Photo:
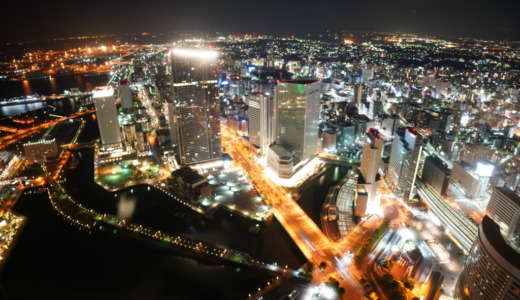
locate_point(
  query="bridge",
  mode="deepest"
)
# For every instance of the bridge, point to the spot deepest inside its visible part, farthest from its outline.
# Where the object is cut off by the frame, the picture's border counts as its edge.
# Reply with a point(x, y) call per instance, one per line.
point(340, 162)
point(309, 238)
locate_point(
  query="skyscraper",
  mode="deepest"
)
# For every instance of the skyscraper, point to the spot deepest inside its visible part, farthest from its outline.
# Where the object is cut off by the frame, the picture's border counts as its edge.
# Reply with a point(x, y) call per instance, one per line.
point(196, 110)
point(504, 209)
point(492, 269)
point(298, 110)
point(106, 112)
point(125, 94)
point(260, 112)
point(370, 159)
point(404, 160)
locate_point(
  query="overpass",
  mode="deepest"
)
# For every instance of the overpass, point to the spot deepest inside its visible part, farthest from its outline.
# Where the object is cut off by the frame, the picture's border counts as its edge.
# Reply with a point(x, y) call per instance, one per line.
point(462, 229)
point(340, 162)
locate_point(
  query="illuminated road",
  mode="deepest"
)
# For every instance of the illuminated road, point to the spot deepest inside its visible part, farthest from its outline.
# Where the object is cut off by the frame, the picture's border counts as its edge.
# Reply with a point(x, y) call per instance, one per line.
point(305, 233)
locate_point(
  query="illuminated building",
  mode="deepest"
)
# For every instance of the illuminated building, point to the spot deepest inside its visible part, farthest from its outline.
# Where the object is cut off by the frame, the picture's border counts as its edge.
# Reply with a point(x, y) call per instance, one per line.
point(191, 184)
point(297, 116)
point(404, 161)
point(40, 151)
point(297, 125)
point(437, 174)
point(106, 112)
point(504, 209)
point(282, 160)
point(329, 141)
point(358, 94)
point(492, 269)
point(369, 168)
point(473, 181)
point(125, 95)
point(196, 110)
point(260, 114)
point(367, 75)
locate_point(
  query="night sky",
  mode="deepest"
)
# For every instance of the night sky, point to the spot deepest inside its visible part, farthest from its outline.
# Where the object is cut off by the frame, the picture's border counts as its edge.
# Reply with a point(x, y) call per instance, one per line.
point(39, 20)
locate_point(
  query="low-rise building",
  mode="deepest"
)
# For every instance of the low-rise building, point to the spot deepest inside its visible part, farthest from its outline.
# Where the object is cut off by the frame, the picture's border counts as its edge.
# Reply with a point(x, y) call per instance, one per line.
point(191, 184)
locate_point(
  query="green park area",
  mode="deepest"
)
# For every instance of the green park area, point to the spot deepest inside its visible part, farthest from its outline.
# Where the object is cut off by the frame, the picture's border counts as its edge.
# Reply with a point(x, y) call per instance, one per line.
point(119, 174)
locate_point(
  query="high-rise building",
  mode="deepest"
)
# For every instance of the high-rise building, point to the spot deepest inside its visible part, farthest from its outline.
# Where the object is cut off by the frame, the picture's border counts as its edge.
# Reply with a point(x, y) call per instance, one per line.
point(125, 94)
point(260, 114)
point(369, 168)
point(492, 269)
point(504, 209)
point(474, 181)
point(106, 112)
point(298, 111)
point(371, 157)
point(195, 117)
point(437, 174)
point(358, 93)
point(404, 161)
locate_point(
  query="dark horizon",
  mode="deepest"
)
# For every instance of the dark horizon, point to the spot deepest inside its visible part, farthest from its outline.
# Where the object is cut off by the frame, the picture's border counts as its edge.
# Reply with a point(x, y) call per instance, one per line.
point(35, 20)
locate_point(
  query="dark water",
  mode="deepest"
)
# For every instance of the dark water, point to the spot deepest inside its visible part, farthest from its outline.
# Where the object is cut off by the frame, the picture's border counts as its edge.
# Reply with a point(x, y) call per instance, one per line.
point(55, 261)
point(62, 107)
point(55, 85)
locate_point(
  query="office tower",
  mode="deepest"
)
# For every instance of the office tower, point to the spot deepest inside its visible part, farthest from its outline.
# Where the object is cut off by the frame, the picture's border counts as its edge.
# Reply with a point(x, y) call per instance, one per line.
point(492, 269)
point(125, 94)
point(371, 156)
point(298, 110)
point(404, 161)
point(106, 112)
point(196, 110)
point(504, 209)
point(358, 93)
point(259, 117)
point(297, 119)
point(437, 174)
point(369, 168)
point(473, 181)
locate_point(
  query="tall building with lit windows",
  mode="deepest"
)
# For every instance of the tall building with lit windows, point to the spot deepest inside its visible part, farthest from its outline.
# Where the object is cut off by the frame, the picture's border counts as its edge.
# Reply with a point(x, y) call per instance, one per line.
point(297, 117)
point(504, 209)
point(106, 112)
point(404, 161)
point(297, 111)
point(195, 118)
point(260, 116)
point(370, 160)
point(492, 269)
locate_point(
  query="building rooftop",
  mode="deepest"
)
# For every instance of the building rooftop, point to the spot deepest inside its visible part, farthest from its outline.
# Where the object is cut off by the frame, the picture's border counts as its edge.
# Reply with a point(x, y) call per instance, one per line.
point(301, 81)
point(439, 163)
point(188, 175)
point(491, 232)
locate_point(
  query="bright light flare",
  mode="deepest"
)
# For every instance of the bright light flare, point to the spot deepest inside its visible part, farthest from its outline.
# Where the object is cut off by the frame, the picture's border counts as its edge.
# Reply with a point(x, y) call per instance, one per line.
point(198, 53)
